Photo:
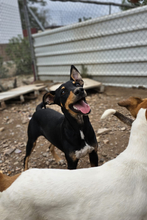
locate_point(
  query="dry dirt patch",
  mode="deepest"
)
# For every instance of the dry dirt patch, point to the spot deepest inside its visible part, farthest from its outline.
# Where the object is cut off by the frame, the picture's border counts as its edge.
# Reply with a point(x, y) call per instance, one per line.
point(14, 122)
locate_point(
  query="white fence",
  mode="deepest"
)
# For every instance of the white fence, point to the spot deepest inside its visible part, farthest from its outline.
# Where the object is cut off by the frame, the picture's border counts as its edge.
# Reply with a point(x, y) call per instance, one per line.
point(10, 23)
point(113, 48)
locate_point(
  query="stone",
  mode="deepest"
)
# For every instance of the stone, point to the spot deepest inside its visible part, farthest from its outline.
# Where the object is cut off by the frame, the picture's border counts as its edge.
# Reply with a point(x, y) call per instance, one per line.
point(17, 169)
point(18, 126)
point(24, 121)
point(123, 129)
point(103, 131)
point(104, 154)
point(5, 145)
point(45, 154)
point(2, 129)
point(9, 151)
point(47, 163)
point(17, 151)
point(101, 160)
point(105, 141)
point(98, 139)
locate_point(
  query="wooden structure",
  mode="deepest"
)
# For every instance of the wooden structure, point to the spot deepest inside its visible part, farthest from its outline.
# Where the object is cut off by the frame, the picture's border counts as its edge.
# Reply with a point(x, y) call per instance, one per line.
point(20, 92)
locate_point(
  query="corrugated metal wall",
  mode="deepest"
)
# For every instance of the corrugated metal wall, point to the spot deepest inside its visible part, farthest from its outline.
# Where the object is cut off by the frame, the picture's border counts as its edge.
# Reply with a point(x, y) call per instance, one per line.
point(10, 23)
point(113, 48)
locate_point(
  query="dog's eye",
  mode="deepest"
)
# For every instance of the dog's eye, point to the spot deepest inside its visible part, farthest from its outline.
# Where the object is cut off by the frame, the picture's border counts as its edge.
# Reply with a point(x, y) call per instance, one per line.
point(62, 92)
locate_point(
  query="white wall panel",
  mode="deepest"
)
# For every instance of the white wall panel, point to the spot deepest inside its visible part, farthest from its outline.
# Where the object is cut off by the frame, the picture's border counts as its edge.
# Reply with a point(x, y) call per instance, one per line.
point(10, 23)
point(113, 48)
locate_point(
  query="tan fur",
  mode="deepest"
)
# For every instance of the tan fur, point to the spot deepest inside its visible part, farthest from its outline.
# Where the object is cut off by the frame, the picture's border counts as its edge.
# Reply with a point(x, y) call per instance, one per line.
point(26, 163)
point(75, 115)
point(73, 156)
point(134, 104)
point(52, 149)
point(6, 181)
point(68, 102)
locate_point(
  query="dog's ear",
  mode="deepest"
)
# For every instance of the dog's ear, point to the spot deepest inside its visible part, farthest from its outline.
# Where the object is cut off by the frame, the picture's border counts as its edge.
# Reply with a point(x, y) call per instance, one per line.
point(74, 74)
point(48, 98)
point(124, 103)
point(132, 101)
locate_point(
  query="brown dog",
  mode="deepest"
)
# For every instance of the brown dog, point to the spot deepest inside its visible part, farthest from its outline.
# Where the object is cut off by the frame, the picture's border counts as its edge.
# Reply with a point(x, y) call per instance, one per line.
point(6, 181)
point(133, 104)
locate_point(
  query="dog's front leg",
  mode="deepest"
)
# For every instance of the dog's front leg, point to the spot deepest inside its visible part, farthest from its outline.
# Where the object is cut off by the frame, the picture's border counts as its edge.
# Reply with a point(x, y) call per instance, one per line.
point(72, 161)
point(93, 158)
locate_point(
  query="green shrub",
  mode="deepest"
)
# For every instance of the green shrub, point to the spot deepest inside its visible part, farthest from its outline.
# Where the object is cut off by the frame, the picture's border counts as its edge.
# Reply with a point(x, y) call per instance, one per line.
point(18, 51)
point(84, 72)
point(3, 70)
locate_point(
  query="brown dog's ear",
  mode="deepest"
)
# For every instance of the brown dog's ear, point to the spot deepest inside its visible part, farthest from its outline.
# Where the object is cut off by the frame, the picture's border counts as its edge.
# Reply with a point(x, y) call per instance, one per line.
point(74, 74)
point(48, 98)
point(132, 101)
point(124, 103)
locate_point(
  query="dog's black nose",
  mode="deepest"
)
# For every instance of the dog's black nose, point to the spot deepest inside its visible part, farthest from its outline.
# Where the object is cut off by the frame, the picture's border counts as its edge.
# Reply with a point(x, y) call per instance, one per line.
point(79, 91)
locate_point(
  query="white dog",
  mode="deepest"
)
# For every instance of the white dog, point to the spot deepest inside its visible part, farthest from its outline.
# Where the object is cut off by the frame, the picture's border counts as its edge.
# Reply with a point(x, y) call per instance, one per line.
point(116, 190)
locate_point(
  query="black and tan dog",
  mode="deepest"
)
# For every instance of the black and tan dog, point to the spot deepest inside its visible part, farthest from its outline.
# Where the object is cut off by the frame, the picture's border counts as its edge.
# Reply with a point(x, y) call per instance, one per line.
point(72, 132)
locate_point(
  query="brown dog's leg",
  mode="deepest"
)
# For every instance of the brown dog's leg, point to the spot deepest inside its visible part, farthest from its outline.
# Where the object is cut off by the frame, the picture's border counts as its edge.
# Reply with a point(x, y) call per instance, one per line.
point(6, 181)
point(57, 158)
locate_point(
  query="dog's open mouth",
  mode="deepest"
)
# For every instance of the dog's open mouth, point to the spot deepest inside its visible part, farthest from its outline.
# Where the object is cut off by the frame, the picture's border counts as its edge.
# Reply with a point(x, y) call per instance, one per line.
point(81, 107)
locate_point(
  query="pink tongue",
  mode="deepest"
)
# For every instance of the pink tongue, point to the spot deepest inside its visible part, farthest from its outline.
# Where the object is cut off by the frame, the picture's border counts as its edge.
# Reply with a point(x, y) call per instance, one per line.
point(83, 107)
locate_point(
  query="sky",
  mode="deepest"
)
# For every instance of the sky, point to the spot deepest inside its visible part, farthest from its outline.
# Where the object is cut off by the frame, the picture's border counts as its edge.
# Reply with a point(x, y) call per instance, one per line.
point(63, 13)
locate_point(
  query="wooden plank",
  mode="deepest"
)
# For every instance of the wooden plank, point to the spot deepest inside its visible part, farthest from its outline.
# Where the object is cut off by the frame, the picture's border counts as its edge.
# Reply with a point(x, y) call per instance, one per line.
point(88, 84)
point(20, 91)
point(22, 98)
point(3, 106)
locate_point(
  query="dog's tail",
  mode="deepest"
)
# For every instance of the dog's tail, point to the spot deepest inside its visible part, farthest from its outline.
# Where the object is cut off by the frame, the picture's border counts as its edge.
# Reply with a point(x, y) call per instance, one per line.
point(40, 106)
point(121, 117)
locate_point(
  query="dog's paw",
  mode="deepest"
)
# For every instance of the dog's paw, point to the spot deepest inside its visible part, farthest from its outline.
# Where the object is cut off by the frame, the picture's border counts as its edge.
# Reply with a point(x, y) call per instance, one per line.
point(61, 162)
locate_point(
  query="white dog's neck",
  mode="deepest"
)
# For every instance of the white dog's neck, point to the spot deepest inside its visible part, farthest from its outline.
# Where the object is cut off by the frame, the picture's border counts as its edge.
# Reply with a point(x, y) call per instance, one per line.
point(137, 146)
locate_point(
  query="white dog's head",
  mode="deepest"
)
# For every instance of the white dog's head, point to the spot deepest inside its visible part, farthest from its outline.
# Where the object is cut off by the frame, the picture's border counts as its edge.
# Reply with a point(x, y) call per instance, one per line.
point(139, 127)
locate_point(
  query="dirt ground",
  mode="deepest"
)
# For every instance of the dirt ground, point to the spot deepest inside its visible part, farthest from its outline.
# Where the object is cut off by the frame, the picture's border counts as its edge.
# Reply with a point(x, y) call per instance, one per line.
point(15, 118)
